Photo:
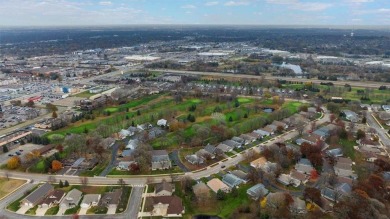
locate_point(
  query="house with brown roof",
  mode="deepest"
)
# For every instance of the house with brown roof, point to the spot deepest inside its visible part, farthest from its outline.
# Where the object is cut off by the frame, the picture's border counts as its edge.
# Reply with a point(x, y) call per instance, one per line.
point(164, 206)
point(53, 198)
point(216, 184)
point(299, 176)
point(164, 189)
point(111, 199)
point(258, 163)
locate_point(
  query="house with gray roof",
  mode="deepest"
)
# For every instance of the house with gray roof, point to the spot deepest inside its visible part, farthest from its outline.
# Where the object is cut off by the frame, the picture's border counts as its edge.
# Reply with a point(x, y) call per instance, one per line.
point(248, 139)
point(111, 199)
point(231, 180)
point(205, 154)
point(210, 148)
point(239, 140)
point(71, 199)
point(37, 195)
point(225, 148)
point(160, 160)
point(257, 191)
point(52, 199)
point(262, 132)
point(164, 189)
point(350, 115)
point(304, 166)
point(337, 152)
point(232, 144)
point(241, 174)
point(194, 159)
point(90, 200)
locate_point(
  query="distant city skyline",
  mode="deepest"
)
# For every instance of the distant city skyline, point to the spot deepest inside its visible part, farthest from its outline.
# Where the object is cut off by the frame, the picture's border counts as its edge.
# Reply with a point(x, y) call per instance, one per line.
point(203, 12)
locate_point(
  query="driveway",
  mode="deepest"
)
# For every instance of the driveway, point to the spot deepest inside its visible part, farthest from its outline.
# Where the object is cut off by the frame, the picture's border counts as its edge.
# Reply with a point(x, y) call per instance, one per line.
point(174, 156)
point(83, 211)
point(41, 211)
point(111, 209)
point(61, 211)
point(23, 209)
point(114, 155)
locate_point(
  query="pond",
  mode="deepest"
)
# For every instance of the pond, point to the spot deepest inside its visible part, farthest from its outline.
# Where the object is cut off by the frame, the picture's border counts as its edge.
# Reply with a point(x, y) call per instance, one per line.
point(268, 110)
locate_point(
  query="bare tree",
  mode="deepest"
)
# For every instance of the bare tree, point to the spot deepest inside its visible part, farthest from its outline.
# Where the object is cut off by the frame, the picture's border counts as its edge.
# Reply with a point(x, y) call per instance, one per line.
point(300, 127)
point(7, 175)
point(121, 182)
point(84, 181)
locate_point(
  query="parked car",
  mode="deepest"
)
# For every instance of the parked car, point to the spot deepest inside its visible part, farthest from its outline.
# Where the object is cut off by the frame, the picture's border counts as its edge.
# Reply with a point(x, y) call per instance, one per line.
point(18, 153)
point(10, 155)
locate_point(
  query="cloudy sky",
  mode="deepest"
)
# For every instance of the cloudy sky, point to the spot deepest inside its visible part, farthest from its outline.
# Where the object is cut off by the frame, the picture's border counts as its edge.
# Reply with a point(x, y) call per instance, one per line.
point(251, 12)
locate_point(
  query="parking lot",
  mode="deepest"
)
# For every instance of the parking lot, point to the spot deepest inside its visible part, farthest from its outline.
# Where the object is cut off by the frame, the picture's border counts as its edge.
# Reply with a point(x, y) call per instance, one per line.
point(27, 148)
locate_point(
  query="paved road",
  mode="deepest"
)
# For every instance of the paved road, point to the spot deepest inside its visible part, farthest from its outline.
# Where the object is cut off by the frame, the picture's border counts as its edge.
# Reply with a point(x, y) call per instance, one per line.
point(12, 197)
point(176, 159)
point(380, 131)
point(369, 84)
point(112, 164)
point(135, 203)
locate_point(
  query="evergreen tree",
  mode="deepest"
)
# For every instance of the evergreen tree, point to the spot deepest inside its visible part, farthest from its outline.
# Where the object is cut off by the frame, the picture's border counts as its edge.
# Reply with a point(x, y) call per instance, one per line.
point(230, 119)
point(220, 195)
point(5, 149)
point(66, 184)
point(61, 184)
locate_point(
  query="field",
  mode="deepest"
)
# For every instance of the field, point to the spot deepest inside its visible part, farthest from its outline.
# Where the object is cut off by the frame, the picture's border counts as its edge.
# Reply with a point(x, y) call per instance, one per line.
point(7, 186)
point(85, 94)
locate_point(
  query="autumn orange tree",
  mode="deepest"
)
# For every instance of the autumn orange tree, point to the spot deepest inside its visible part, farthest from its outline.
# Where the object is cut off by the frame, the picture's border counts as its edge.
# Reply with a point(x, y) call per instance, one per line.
point(56, 165)
point(13, 163)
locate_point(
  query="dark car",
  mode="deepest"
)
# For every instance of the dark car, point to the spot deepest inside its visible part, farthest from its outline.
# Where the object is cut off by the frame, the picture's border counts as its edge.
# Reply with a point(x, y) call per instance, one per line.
point(18, 153)
point(10, 155)
point(223, 166)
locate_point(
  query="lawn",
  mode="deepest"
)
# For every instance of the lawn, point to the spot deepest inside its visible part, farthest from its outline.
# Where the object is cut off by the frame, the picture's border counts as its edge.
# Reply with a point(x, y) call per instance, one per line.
point(347, 147)
point(7, 186)
point(53, 210)
point(32, 211)
point(85, 94)
point(222, 208)
point(38, 167)
point(244, 100)
point(115, 172)
point(95, 171)
point(14, 206)
point(72, 211)
point(124, 199)
point(97, 210)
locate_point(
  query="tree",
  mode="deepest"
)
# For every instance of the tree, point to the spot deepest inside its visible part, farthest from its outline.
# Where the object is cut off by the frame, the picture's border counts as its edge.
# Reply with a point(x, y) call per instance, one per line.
point(234, 191)
point(360, 134)
point(333, 107)
point(280, 129)
point(364, 120)
point(220, 195)
point(312, 194)
point(121, 182)
point(313, 126)
point(13, 163)
point(56, 165)
point(61, 184)
point(332, 118)
point(230, 119)
point(5, 149)
point(66, 183)
point(314, 175)
point(138, 112)
point(30, 103)
point(54, 114)
point(84, 181)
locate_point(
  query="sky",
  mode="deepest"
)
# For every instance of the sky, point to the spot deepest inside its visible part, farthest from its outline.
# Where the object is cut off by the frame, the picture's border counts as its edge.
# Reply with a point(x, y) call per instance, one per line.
point(203, 12)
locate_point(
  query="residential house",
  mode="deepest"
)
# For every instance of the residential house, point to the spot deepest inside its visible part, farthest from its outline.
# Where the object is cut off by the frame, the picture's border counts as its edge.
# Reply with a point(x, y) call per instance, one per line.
point(37, 195)
point(274, 199)
point(224, 148)
point(90, 200)
point(239, 140)
point(164, 189)
point(269, 167)
point(242, 175)
point(216, 184)
point(165, 206)
point(231, 180)
point(350, 115)
point(53, 198)
point(258, 163)
point(210, 148)
point(132, 144)
point(311, 139)
point(124, 165)
point(287, 180)
point(248, 138)
point(257, 191)
point(256, 134)
point(302, 178)
point(194, 159)
point(343, 167)
point(337, 152)
point(124, 134)
point(108, 142)
point(201, 190)
point(386, 108)
point(262, 133)
point(298, 206)
point(335, 194)
point(232, 144)
point(144, 126)
point(111, 199)
point(162, 122)
point(160, 160)
point(71, 199)
point(325, 131)
point(282, 124)
point(304, 166)
point(268, 129)
point(205, 154)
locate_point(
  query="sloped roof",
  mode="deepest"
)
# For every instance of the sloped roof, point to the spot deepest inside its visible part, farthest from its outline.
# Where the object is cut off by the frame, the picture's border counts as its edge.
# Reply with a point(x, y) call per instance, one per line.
point(231, 180)
point(164, 186)
point(257, 190)
point(39, 193)
point(175, 204)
